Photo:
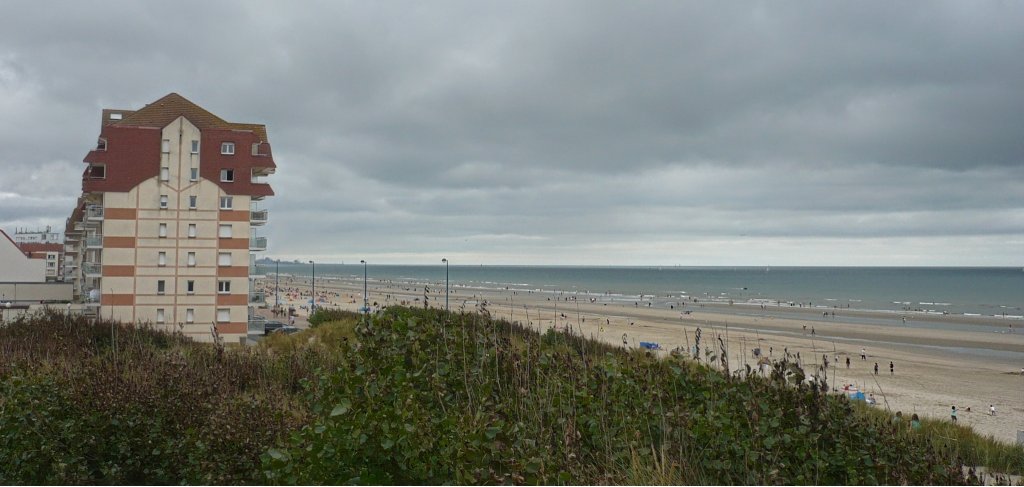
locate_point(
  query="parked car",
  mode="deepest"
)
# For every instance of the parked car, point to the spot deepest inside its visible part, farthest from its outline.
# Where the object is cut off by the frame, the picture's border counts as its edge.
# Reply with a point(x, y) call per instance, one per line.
point(287, 329)
point(272, 326)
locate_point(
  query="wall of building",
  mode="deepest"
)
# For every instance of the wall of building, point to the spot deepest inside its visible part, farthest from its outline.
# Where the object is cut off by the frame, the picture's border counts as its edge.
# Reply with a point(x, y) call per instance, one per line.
point(34, 292)
point(15, 266)
point(133, 242)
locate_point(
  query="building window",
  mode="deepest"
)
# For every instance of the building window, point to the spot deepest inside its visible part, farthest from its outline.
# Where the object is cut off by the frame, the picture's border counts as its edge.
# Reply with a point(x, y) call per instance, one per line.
point(190, 287)
point(225, 202)
point(223, 315)
point(163, 202)
point(191, 230)
point(165, 174)
point(159, 315)
point(190, 315)
point(161, 286)
point(224, 231)
point(97, 171)
point(224, 259)
point(161, 259)
point(227, 148)
point(165, 146)
point(227, 175)
point(162, 232)
point(194, 174)
point(191, 259)
point(195, 146)
point(101, 144)
point(193, 200)
point(224, 287)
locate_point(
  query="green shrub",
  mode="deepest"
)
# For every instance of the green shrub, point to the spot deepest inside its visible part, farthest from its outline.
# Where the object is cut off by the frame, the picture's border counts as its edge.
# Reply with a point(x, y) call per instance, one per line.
point(323, 315)
point(429, 397)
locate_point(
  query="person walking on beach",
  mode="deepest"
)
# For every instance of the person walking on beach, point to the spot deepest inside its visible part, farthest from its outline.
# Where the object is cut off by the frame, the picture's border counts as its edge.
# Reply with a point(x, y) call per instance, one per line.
point(847, 362)
point(892, 368)
point(876, 368)
point(992, 409)
point(863, 354)
point(952, 414)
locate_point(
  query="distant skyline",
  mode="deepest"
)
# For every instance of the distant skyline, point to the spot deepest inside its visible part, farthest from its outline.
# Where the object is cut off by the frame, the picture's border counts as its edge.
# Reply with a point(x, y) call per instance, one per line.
point(560, 133)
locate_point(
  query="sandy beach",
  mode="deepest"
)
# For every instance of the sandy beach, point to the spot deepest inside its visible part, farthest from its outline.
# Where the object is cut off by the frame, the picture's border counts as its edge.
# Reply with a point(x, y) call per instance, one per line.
point(944, 363)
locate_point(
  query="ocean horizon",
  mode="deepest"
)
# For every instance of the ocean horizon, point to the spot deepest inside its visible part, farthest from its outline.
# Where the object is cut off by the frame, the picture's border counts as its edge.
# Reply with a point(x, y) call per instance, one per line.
point(982, 291)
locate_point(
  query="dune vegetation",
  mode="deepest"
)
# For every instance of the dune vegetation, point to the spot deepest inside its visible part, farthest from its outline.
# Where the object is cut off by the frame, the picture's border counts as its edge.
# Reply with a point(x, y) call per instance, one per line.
point(415, 396)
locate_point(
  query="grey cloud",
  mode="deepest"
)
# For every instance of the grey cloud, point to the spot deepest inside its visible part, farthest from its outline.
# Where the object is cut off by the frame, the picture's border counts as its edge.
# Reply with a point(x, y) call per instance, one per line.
point(403, 128)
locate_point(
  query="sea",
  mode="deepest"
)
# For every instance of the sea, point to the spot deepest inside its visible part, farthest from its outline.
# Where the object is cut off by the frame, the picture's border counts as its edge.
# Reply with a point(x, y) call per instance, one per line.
point(988, 292)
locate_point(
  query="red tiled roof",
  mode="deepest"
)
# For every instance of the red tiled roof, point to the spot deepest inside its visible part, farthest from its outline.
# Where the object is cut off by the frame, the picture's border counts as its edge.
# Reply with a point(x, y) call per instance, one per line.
point(41, 247)
point(165, 110)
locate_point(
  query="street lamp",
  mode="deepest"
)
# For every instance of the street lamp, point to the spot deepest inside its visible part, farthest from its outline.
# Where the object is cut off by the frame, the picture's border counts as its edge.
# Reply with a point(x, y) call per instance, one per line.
point(312, 307)
point(445, 260)
point(366, 297)
point(277, 288)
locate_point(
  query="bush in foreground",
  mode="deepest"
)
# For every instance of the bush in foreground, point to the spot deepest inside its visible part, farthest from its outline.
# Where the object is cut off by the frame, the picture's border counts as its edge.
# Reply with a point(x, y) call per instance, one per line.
point(420, 396)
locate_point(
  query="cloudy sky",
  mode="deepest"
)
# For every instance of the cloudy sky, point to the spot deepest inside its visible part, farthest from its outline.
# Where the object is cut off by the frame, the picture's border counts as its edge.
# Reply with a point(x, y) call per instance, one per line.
point(558, 132)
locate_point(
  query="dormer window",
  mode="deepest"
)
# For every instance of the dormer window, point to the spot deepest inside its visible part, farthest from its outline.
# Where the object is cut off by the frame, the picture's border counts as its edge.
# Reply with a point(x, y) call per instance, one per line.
point(227, 148)
point(97, 171)
point(115, 116)
point(101, 144)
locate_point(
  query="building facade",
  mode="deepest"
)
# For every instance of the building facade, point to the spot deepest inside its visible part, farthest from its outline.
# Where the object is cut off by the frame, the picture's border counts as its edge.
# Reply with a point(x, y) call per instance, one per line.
point(51, 253)
point(16, 266)
point(167, 226)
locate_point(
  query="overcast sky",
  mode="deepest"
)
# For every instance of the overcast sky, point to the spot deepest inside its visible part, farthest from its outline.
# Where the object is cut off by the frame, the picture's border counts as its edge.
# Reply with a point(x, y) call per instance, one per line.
point(557, 132)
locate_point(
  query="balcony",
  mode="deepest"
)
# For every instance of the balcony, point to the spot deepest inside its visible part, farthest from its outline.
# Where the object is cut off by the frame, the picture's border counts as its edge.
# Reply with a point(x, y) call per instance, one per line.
point(257, 298)
point(257, 217)
point(94, 242)
point(92, 298)
point(92, 269)
point(257, 272)
point(70, 248)
point(94, 213)
point(257, 243)
point(257, 325)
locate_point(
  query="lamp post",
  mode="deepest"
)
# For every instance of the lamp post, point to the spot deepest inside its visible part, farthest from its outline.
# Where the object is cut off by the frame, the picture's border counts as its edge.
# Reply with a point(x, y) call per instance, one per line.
point(366, 297)
point(312, 307)
point(277, 288)
point(445, 260)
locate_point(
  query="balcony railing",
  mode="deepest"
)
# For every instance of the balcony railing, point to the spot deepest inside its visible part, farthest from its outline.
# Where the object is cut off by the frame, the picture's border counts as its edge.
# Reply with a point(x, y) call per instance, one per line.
point(257, 297)
point(257, 243)
point(257, 217)
point(257, 325)
point(92, 298)
point(94, 212)
point(257, 271)
point(94, 242)
point(92, 269)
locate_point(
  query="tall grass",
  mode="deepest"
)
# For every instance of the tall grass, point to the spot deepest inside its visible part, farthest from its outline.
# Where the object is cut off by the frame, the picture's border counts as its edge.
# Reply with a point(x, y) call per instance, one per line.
point(423, 396)
point(429, 397)
point(100, 402)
